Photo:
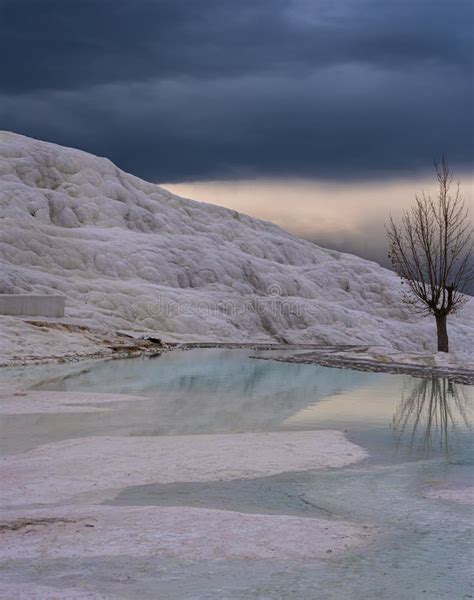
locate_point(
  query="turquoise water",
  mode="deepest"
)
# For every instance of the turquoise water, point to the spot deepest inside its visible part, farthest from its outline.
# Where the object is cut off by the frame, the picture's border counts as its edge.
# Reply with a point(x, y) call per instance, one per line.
point(225, 391)
point(417, 431)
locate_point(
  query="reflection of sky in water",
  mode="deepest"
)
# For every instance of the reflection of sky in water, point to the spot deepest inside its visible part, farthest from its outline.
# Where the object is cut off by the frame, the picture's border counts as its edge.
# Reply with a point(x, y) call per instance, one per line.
point(423, 549)
point(219, 391)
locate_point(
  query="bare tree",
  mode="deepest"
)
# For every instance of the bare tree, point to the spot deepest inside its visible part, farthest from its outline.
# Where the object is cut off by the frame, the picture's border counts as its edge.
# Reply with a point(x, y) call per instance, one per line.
point(431, 250)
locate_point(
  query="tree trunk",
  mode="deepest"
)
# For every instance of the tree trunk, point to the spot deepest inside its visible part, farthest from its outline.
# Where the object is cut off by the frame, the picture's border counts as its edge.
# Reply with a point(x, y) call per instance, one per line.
point(442, 331)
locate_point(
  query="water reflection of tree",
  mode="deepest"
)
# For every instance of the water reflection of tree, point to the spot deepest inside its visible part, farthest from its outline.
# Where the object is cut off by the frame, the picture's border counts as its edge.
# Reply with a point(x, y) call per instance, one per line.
point(431, 415)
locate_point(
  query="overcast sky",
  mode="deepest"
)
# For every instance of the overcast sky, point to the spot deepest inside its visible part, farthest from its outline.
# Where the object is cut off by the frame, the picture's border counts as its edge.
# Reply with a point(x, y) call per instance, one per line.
point(345, 92)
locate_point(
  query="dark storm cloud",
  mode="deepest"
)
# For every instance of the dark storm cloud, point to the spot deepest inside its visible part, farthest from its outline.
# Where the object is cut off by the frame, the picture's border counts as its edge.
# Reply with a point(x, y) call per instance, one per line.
point(197, 89)
point(66, 44)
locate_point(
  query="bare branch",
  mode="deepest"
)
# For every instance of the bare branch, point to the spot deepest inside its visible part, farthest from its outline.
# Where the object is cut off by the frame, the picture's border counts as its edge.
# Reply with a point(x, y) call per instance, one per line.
point(432, 249)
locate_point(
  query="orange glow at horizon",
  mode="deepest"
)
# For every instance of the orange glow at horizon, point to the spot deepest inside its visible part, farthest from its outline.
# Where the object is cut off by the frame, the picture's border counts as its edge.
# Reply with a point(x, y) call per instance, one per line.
point(347, 216)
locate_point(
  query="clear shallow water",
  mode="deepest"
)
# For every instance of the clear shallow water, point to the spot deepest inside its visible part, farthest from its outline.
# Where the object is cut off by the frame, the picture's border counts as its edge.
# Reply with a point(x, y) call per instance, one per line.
point(417, 431)
point(226, 391)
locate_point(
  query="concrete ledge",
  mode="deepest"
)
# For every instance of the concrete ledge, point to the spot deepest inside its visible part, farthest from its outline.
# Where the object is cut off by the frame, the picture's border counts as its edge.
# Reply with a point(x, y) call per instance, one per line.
point(31, 305)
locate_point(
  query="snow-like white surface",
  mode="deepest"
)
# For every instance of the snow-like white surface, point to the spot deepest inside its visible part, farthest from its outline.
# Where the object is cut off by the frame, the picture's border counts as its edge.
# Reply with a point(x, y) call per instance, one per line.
point(16, 402)
point(34, 591)
point(24, 341)
point(127, 254)
point(60, 471)
point(52, 516)
point(51, 502)
point(463, 495)
point(183, 532)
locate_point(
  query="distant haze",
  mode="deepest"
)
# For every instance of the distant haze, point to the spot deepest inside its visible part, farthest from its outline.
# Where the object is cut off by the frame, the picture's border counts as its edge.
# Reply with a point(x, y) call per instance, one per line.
point(349, 217)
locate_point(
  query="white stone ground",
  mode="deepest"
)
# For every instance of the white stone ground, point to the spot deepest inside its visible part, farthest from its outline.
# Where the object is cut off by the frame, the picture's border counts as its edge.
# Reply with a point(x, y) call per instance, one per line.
point(463, 495)
point(186, 533)
point(50, 498)
point(17, 401)
point(60, 471)
point(24, 342)
point(28, 591)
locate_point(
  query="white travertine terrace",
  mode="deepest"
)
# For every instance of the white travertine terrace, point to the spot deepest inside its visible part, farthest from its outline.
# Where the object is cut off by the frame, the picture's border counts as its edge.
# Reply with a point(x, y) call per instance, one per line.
point(128, 254)
point(62, 470)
